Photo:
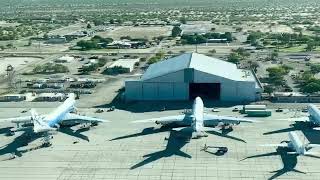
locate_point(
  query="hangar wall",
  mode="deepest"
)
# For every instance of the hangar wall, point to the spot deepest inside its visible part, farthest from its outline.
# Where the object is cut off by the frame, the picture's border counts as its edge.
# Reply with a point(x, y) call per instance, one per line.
point(175, 86)
point(230, 90)
point(139, 90)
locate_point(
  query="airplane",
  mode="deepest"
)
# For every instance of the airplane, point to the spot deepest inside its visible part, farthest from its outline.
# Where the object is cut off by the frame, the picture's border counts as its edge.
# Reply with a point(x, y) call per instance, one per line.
point(296, 146)
point(289, 162)
point(313, 118)
point(197, 121)
point(51, 122)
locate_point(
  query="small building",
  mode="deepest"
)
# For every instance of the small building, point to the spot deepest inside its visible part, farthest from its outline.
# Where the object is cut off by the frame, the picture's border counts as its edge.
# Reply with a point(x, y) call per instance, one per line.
point(119, 45)
point(13, 98)
point(64, 59)
point(57, 40)
point(190, 75)
point(222, 40)
point(295, 97)
point(50, 97)
point(126, 64)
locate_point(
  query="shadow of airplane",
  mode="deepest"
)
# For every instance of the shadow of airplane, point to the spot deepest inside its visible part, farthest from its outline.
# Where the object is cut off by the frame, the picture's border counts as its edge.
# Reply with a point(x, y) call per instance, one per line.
point(225, 135)
point(75, 133)
point(289, 161)
point(144, 132)
point(174, 145)
point(20, 141)
point(6, 130)
point(312, 135)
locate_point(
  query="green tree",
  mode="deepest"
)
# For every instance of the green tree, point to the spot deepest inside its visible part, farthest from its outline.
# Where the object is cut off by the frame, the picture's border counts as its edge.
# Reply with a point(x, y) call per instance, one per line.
point(310, 46)
point(89, 26)
point(183, 20)
point(234, 58)
point(315, 68)
point(268, 89)
point(311, 88)
point(176, 31)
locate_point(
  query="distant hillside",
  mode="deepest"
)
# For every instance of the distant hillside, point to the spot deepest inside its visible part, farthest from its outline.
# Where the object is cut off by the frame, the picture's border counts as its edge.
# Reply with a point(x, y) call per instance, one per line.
point(157, 3)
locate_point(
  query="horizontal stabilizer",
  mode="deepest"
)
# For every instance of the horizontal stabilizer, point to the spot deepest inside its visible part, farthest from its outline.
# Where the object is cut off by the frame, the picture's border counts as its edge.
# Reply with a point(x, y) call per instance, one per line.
point(311, 153)
point(207, 129)
point(183, 129)
point(18, 119)
point(313, 145)
point(72, 116)
point(226, 119)
point(292, 152)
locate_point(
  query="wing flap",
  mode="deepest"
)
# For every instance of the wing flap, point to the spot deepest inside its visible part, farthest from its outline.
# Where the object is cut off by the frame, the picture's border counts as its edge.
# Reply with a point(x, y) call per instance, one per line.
point(162, 119)
point(72, 116)
point(227, 119)
point(275, 145)
point(296, 119)
point(21, 119)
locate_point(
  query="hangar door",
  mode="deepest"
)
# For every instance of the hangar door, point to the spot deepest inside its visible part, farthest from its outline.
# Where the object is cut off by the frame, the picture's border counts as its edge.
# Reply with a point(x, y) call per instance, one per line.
point(204, 90)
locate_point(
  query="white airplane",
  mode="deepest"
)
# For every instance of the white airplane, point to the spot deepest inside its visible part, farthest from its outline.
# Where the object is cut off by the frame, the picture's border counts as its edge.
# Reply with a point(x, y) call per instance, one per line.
point(296, 146)
point(313, 118)
point(197, 121)
point(52, 121)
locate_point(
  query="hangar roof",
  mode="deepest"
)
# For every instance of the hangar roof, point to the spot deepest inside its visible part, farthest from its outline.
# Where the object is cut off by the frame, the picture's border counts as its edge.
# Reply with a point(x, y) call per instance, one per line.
point(198, 62)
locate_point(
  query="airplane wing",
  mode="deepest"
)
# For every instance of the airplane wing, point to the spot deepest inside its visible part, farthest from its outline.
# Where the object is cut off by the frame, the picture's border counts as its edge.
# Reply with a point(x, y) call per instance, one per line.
point(275, 145)
point(77, 117)
point(162, 119)
point(313, 145)
point(21, 119)
point(207, 118)
point(297, 119)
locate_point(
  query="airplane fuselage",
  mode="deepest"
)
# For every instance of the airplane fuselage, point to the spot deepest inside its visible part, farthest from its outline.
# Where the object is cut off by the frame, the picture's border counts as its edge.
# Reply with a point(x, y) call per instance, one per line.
point(57, 116)
point(197, 115)
point(314, 114)
point(295, 143)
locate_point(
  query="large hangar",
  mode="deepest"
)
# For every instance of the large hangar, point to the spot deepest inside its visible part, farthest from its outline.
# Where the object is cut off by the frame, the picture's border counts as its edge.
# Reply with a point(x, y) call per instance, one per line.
point(190, 75)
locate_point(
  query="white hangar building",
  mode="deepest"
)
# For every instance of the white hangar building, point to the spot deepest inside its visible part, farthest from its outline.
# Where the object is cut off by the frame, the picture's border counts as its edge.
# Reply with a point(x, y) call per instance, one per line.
point(190, 75)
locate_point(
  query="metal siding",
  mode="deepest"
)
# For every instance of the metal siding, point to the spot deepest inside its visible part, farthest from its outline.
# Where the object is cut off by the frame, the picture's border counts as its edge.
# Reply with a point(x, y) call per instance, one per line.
point(189, 75)
point(181, 91)
point(133, 90)
point(150, 91)
point(171, 77)
point(230, 90)
point(165, 91)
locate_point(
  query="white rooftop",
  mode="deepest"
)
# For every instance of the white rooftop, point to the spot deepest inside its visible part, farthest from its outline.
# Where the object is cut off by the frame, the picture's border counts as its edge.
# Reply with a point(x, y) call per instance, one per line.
point(66, 58)
point(125, 63)
point(198, 62)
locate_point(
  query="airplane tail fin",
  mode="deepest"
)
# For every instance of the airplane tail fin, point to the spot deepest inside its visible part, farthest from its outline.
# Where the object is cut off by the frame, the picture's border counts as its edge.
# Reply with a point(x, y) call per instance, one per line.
point(34, 114)
point(38, 124)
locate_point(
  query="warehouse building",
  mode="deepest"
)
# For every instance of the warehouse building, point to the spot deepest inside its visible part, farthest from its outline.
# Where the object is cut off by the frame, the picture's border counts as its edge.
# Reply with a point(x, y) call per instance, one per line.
point(190, 75)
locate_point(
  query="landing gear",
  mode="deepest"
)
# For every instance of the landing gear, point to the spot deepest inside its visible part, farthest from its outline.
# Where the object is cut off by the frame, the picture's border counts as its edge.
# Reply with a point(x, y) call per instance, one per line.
point(46, 141)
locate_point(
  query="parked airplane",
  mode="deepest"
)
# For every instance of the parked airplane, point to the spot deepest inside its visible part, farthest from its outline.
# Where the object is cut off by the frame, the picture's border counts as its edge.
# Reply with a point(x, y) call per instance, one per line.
point(197, 121)
point(296, 146)
point(313, 118)
point(52, 121)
